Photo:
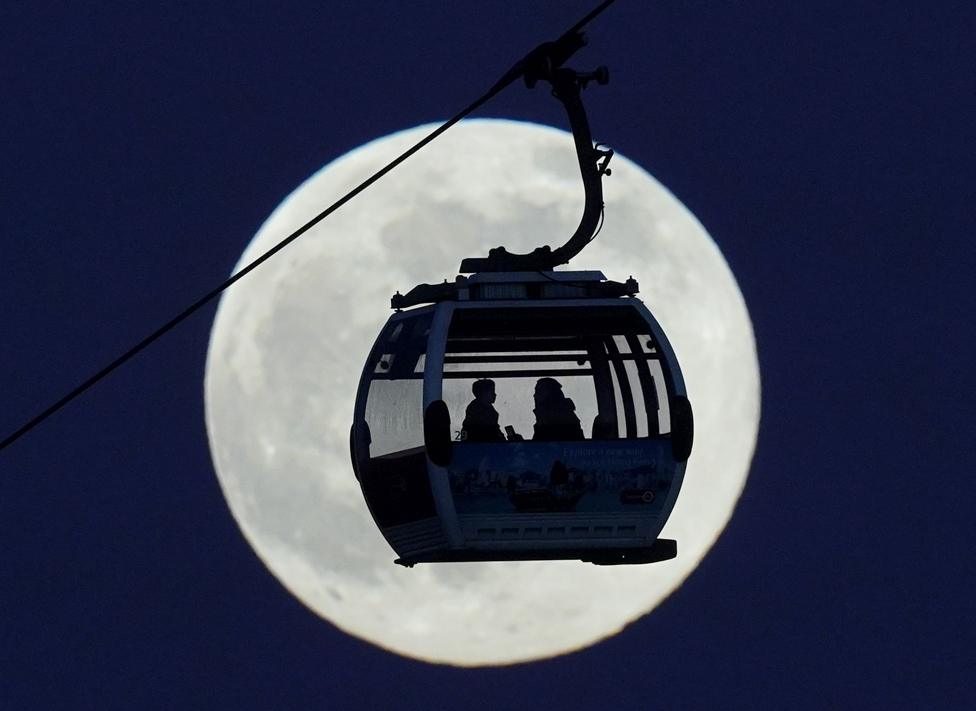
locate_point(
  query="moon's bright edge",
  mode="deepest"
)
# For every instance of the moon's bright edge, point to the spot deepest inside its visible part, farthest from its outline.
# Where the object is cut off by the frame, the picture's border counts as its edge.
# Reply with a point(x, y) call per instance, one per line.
point(289, 341)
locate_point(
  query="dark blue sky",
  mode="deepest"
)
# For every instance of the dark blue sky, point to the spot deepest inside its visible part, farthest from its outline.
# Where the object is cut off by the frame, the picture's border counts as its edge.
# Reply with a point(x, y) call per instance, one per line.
point(828, 149)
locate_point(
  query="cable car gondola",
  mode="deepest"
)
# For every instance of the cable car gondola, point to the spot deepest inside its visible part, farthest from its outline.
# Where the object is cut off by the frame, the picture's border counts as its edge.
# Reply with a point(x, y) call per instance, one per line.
point(521, 412)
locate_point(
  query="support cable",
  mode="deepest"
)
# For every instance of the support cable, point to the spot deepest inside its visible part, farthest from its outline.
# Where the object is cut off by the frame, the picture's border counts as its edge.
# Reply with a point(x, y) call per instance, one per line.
point(512, 75)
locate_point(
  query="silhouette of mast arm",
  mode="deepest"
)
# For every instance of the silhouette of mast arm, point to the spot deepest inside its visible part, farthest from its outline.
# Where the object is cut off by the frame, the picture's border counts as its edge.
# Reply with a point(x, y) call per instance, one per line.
point(545, 64)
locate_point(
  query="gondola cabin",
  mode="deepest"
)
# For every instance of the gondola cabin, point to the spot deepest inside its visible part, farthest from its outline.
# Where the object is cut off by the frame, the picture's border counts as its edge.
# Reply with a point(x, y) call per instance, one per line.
point(522, 415)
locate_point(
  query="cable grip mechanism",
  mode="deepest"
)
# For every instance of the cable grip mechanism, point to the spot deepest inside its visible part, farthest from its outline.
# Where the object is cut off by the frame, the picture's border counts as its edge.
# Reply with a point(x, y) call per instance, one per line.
point(544, 63)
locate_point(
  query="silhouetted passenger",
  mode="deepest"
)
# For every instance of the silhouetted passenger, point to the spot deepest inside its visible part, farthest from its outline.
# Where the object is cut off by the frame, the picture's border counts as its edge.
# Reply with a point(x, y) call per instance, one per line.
point(480, 418)
point(555, 414)
point(604, 428)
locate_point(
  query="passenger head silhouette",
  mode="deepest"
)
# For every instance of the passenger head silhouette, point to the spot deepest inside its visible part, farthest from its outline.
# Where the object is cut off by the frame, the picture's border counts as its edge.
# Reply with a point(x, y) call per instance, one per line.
point(548, 391)
point(484, 389)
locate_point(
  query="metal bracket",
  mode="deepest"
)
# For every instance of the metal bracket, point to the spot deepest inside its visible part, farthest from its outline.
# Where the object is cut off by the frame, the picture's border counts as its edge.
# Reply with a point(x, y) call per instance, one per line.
point(545, 64)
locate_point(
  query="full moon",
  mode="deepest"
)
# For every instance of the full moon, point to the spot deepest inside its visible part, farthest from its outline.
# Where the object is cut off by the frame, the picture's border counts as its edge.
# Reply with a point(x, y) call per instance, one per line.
point(289, 342)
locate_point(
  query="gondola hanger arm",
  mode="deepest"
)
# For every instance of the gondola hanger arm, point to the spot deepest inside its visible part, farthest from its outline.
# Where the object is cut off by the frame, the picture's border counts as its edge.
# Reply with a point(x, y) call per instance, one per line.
point(545, 63)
